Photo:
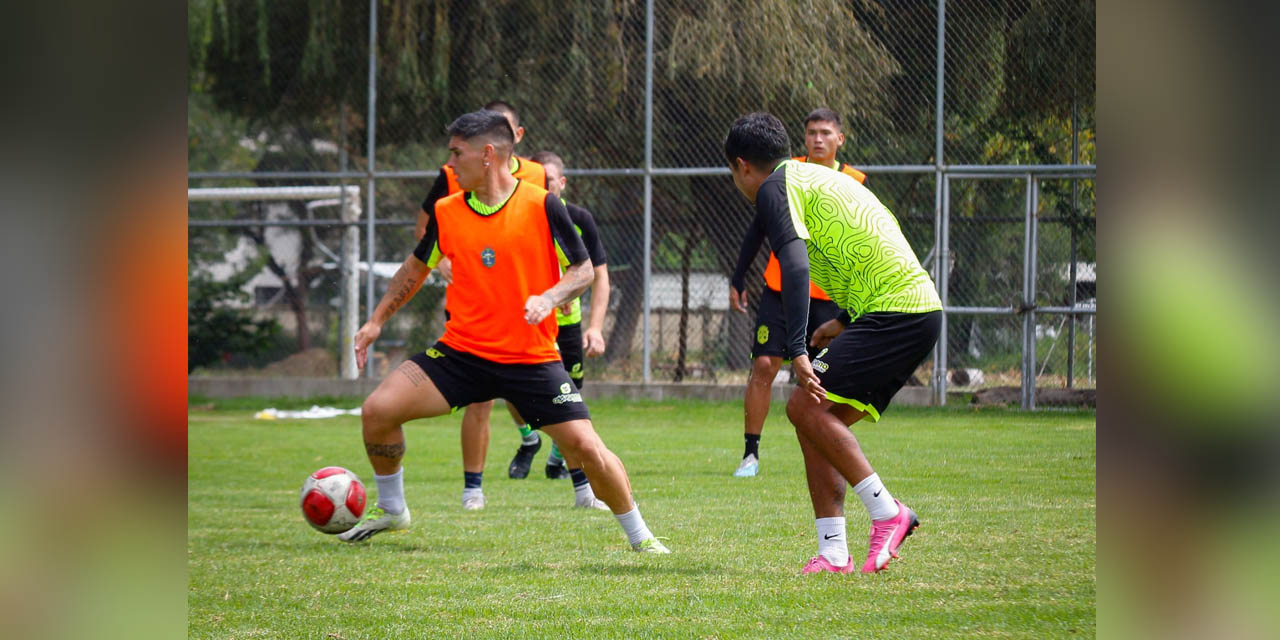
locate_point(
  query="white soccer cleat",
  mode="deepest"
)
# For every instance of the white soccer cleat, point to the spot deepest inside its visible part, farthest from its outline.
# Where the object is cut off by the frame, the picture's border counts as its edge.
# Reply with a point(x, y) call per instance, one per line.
point(473, 502)
point(750, 466)
point(591, 503)
point(374, 522)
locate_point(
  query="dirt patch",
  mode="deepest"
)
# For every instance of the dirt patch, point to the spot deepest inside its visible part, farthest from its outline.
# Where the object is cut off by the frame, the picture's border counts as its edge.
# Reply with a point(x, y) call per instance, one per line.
point(312, 363)
point(999, 396)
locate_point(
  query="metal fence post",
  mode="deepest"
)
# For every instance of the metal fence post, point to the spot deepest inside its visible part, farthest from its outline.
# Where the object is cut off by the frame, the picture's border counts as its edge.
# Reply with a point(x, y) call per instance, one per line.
point(648, 183)
point(371, 182)
point(1029, 297)
point(940, 205)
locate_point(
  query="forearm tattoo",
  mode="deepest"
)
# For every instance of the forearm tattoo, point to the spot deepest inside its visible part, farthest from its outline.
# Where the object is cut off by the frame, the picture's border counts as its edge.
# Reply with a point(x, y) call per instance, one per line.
point(572, 284)
point(403, 285)
point(413, 372)
point(393, 451)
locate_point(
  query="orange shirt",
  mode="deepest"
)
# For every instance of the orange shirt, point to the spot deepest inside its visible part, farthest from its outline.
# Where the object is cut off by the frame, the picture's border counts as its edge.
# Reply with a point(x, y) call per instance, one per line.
point(499, 260)
point(773, 270)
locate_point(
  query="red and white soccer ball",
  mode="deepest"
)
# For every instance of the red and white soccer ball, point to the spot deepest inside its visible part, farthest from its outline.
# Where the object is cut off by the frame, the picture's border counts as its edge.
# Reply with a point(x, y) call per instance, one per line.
point(332, 500)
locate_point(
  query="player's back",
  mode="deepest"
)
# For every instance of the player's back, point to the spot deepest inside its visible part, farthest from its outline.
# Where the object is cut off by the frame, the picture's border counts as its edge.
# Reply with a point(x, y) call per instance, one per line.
point(857, 252)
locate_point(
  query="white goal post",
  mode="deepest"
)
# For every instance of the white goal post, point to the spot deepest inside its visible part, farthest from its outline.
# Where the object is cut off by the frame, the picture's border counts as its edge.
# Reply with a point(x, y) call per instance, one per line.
point(347, 198)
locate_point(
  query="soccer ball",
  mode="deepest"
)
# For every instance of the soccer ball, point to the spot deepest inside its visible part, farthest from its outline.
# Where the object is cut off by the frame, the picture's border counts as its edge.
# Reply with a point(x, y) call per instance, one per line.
point(332, 500)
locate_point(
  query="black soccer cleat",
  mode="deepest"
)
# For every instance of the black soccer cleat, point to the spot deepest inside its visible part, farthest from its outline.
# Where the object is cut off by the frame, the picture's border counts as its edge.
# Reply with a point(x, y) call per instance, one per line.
point(520, 464)
point(557, 471)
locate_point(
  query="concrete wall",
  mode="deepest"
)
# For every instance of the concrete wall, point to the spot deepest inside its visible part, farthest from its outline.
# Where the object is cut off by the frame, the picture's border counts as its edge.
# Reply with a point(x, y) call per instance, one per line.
point(310, 387)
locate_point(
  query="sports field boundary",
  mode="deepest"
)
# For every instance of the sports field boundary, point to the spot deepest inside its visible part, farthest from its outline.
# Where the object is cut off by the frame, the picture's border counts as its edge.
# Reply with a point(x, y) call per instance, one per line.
point(236, 387)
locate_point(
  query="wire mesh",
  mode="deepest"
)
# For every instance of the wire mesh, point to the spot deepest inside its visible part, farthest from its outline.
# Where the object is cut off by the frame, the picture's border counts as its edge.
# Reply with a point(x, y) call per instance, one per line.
point(285, 87)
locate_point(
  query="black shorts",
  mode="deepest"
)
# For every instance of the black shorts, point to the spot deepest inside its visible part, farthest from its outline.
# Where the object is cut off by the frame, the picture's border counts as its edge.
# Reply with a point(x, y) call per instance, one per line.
point(874, 356)
point(542, 393)
point(571, 354)
point(771, 326)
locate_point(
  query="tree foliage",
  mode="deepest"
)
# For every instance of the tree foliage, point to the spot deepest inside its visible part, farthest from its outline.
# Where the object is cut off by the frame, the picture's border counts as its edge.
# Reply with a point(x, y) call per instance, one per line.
point(216, 328)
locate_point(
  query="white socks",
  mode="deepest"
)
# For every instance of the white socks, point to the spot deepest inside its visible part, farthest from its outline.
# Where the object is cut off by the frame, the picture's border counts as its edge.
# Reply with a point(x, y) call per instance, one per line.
point(832, 542)
point(391, 491)
point(585, 494)
point(876, 498)
point(634, 525)
point(472, 492)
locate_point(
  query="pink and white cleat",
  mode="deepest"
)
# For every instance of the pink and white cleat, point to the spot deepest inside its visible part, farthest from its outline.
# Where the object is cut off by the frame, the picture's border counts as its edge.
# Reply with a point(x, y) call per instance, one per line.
point(818, 564)
point(887, 536)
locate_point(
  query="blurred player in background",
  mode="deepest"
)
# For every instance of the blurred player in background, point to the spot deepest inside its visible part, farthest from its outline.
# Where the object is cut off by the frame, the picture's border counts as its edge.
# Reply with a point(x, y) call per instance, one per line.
point(823, 137)
point(825, 226)
point(503, 237)
point(572, 341)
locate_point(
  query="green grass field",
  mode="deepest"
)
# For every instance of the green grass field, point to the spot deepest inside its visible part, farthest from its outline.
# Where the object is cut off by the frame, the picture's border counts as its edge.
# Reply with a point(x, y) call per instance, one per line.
point(1006, 547)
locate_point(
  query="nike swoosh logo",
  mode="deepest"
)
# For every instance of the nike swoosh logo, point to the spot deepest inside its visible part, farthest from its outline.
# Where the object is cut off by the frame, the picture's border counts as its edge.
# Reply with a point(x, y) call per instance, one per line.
point(831, 537)
point(877, 494)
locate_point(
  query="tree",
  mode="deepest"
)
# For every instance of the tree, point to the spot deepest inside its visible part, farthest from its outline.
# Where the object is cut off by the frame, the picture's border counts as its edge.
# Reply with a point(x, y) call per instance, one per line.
point(215, 328)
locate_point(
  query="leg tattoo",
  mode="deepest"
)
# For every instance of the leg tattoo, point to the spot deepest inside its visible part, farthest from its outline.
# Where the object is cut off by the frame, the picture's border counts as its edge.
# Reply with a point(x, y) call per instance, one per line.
point(393, 451)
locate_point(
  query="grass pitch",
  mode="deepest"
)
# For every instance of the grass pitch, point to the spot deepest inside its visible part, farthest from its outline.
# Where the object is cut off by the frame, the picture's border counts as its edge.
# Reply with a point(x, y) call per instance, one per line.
point(1006, 547)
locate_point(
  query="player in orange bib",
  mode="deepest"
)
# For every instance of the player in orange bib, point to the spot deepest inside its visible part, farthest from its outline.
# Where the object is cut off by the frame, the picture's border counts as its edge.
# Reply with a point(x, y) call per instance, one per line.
point(822, 138)
point(504, 237)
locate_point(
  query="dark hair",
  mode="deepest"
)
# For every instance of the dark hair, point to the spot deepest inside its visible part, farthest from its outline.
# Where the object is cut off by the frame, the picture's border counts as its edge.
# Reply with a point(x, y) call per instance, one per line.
point(823, 114)
point(484, 123)
point(548, 157)
point(759, 138)
point(505, 108)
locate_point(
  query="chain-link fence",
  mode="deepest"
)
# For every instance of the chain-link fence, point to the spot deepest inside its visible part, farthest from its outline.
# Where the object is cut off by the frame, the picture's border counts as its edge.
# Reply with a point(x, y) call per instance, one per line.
point(955, 128)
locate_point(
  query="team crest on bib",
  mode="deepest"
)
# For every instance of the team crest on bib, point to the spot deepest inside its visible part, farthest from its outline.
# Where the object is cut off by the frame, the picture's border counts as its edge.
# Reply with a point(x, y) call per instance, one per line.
point(565, 388)
point(762, 334)
point(488, 257)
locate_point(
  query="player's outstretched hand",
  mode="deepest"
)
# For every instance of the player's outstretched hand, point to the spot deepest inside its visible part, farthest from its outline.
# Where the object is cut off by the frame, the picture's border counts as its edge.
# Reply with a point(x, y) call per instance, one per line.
point(825, 333)
point(737, 299)
point(445, 268)
point(593, 342)
point(365, 337)
point(537, 308)
point(806, 379)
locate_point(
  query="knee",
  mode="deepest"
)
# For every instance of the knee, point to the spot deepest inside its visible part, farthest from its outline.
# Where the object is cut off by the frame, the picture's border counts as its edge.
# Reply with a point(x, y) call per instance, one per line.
point(764, 369)
point(376, 413)
point(800, 407)
point(586, 449)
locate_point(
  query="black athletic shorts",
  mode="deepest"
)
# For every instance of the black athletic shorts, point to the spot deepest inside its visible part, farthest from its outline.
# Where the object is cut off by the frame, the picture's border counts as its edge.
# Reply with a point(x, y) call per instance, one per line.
point(571, 353)
point(771, 326)
point(542, 393)
point(869, 362)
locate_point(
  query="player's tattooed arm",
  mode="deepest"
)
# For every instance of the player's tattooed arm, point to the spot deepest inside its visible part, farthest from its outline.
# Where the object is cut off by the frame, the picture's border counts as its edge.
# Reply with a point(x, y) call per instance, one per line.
point(390, 451)
point(577, 277)
point(406, 282)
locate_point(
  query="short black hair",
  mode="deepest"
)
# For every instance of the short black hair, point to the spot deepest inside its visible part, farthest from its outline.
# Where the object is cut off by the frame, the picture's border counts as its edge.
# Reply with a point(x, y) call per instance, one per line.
point(548, 157)
point(759, 138)
point(823, 114)
point(490, 125)
point(504, 107)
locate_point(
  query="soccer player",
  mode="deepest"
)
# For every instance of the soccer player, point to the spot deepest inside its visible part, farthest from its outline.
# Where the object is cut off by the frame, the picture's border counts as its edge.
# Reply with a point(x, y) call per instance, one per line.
point(822, 138)
point(499, 340)
point(571, 339)
point(475, 418)
point(825, 226)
